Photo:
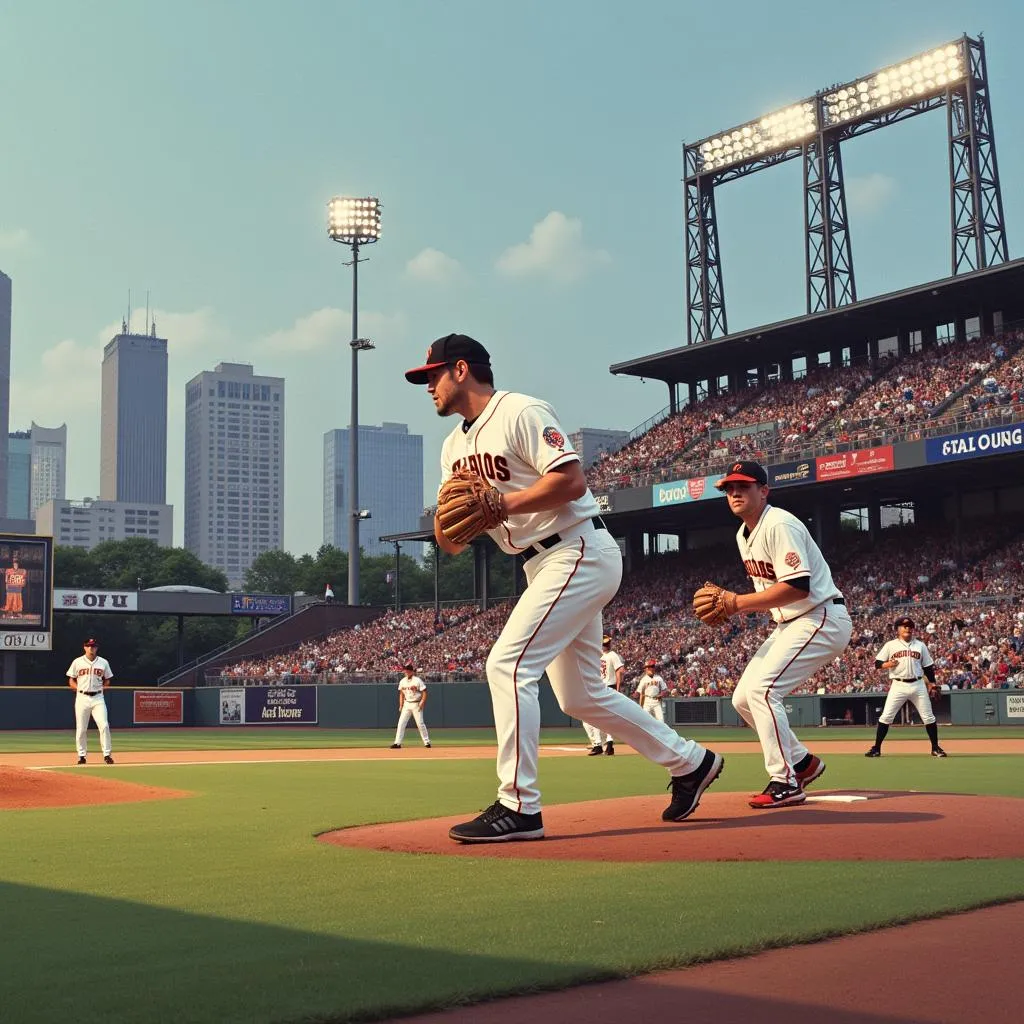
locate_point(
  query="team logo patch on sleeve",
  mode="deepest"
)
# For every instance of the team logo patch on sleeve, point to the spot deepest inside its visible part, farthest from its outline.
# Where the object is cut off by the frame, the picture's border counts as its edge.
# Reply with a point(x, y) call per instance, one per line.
point(792, 559)
point(553, 439)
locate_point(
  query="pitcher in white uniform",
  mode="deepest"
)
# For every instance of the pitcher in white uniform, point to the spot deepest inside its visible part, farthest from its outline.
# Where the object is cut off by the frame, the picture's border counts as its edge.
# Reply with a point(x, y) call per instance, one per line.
point(612, 671)
point(573, 567)
point(812, 627)
point(908, 662)
point(412, 699)
point(89, 675)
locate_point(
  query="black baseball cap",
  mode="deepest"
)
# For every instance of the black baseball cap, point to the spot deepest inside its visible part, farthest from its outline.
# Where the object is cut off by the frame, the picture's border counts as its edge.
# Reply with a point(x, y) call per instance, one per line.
point(744, 473)
point(447, 351)
point(905, 621)
point(91, 642)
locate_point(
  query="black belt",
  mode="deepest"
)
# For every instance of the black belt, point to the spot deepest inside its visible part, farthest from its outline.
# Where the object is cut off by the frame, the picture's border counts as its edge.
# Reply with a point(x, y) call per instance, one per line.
point(556, 538)
point(86, 693)
point(839, 600)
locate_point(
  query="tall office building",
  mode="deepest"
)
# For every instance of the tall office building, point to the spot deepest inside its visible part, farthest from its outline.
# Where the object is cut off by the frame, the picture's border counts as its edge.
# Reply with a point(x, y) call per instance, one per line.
point(5, 379)
point(390, 485)
point(91, 521)
point(133, 418)
point(49, 466)
point(19, 473)
point(592, 442)
point(234, 467)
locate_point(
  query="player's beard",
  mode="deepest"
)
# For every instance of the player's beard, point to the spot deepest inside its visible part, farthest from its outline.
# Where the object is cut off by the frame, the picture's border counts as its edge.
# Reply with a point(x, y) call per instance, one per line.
point(444, 407)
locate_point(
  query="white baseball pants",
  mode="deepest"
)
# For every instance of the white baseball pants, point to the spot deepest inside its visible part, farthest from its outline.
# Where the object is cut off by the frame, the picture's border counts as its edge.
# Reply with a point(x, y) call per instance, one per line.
point(96, 708)
point(556, 626)
point(902, 691)
point(411, 711)
point(654, 709)
point(595, 737)
point(790, 656)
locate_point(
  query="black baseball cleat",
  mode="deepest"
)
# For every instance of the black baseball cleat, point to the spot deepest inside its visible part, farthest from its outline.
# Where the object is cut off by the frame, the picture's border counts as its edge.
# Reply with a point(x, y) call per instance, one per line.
point(779, 794)
point(873, 752)
point(688, 789)
point(107, 759)
point(595, 750)
point(939, 752)
point(427, 745)
point(81, 760)
point(813, 769)
point(396, 746)
point(498, 824)
point(609, 748)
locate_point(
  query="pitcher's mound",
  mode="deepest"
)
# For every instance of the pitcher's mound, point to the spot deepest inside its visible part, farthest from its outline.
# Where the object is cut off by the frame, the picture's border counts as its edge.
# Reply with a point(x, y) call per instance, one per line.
point(830, 826)
point(21, 789)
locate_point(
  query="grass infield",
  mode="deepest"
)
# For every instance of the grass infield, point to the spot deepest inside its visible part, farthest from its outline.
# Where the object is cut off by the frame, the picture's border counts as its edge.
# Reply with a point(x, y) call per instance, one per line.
point(223, 908)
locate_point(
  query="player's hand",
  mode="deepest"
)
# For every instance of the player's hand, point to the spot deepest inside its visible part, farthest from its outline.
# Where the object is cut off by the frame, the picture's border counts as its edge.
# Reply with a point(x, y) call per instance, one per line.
point(713, 605)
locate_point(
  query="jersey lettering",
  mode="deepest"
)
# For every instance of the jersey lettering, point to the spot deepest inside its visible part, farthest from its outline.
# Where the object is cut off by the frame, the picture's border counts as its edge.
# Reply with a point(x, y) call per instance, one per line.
point(488, 466)
point(756, 569)
point(916, 655)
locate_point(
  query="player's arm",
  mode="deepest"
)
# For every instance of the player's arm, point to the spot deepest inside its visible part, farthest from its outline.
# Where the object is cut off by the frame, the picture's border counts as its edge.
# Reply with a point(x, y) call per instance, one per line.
point(778, 595)
point(107, 676)
point(554, 489)
point(929, 671)
point(447, 546)
point(423, 698)
point(882, 659)
point(72, 682)
point(620, 672)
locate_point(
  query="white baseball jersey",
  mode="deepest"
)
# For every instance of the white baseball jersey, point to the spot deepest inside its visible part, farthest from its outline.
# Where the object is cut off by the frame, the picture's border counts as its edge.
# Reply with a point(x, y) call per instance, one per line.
point(779, 549)
point(412, 689)
point(511, 444)
point(911, 657)
point(651, 688)
point(89, 675)
point(610, 665)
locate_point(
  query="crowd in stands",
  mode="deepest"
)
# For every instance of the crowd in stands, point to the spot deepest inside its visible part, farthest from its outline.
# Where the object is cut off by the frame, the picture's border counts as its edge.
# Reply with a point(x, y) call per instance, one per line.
point(965, 597)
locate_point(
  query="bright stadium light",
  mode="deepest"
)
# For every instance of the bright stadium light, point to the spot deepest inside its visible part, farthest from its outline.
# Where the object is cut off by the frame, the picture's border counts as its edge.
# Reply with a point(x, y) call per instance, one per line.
point(353, 220)
point(769, 134)
point(917, 78)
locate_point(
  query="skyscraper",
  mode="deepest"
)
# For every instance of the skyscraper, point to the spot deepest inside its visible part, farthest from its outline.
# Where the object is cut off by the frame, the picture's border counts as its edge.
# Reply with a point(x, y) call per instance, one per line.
point(19, 474)
point(5, 379)
point(49, 465)
point(234, 467)
point(133, 419)
point(390, 485)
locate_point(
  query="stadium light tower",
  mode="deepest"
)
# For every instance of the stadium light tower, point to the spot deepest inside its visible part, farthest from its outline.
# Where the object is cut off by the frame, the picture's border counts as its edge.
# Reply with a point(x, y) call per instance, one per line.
point(953, 75)
point(354, 222)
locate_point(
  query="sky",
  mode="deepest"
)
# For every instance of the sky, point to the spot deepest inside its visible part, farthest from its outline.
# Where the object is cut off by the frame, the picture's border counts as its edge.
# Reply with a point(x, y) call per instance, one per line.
point(528, 158)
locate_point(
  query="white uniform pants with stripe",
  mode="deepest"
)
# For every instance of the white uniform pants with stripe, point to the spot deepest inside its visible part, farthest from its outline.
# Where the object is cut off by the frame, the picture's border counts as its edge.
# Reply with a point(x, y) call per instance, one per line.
point(790, 656)
point(901, 691)
point(655, 709)
point(595, 737)
point(410, 710)
point(96, 708)
point(556, 626)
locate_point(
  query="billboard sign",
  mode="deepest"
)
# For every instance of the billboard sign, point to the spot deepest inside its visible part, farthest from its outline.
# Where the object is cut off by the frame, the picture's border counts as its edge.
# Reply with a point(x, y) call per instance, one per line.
point(677, 492)
point(95, 600)
point(157, 707)
point(787, 473)
point(280, 705)
point(974, 444)
point(26, 578)
point(260, 604)
point(860, 463)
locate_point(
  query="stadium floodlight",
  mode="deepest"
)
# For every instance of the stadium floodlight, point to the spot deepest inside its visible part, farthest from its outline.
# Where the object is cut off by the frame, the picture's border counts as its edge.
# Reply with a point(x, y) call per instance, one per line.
point(772, 133)
point(918, 78)
point(352, 220)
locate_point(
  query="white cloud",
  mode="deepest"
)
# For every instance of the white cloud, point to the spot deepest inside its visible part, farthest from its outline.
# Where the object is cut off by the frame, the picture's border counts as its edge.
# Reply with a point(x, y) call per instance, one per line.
point(326, 328)
point(555, 250)
point(870, 193)
point(13, 238)
point(434, 267)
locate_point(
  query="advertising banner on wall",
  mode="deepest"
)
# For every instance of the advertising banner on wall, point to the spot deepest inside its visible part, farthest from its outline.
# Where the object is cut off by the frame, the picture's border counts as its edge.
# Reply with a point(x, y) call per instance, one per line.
point(260, 604)
point(604, 502)
point(787, 473)
point(1015, 705)
point(26, 578)
point(860, 463)
point(157, 707)
point(95, 600)
point(975, 443)
point(678, 491)
point(232, 705)
point(280, 705)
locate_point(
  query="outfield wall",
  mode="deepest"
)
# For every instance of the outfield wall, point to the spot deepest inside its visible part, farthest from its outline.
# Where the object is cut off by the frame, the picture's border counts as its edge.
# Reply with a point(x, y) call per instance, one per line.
point(449, 705)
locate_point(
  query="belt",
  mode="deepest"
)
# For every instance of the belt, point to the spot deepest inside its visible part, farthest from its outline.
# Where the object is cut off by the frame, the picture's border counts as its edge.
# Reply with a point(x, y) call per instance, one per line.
point(86, 693)
point(556, 538)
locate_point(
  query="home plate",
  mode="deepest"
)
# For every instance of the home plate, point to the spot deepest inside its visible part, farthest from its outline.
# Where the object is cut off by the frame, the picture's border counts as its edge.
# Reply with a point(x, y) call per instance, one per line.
point(836, 798)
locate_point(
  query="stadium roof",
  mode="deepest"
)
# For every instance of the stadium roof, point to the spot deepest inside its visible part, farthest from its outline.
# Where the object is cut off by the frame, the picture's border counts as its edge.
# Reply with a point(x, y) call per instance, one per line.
point(883, 316)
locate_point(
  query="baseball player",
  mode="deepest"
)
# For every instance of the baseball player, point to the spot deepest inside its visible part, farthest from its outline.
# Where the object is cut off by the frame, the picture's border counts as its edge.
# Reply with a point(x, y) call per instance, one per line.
point(412, 699)
point(650, 689)
point(89, 675)
point(612, 671)
point(908, 662)
point(792, 581)
point(15, 579)
point(573, 566)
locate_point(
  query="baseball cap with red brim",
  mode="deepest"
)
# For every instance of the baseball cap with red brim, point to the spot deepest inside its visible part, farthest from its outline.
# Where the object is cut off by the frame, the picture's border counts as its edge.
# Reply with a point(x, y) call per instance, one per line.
point(447, 351)
point(744, 473)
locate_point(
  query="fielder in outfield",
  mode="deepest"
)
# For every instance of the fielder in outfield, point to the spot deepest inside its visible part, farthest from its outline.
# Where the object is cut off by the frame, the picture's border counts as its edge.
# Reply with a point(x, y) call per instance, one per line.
point(573, 568)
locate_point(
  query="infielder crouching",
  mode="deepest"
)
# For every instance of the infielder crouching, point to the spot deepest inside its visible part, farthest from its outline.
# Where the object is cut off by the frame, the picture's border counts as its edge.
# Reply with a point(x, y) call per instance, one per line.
point(908, 662)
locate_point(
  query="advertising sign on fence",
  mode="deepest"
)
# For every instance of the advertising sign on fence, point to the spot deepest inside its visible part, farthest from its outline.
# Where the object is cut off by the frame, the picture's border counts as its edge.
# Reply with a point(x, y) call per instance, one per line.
point(1015, 705)
point(975, 443)
point(95, 600)
point(676, 492)
point(232, 705)
point(786, 473)
point(260, 604)
point(859, 463)
point(280, 705)
point(158, 707)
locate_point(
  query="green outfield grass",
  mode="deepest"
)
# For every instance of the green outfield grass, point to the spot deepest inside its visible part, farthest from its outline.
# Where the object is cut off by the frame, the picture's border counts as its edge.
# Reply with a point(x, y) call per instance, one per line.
point(302, 737)
point(222, 907)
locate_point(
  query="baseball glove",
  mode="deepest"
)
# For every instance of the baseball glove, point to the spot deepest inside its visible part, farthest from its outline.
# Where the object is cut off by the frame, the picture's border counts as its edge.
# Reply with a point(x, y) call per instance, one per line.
point(467, 506)
point(713, 605)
